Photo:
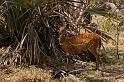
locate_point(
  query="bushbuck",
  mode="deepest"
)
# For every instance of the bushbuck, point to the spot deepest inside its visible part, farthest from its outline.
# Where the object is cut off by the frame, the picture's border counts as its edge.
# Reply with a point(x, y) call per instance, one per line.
point(79, 43)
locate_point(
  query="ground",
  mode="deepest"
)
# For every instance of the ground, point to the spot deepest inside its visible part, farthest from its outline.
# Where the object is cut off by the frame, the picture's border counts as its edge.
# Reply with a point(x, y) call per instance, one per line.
point(85, 73)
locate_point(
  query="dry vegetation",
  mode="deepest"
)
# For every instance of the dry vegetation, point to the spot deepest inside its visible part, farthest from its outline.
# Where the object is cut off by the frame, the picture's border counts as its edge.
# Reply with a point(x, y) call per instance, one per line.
point(34, 53)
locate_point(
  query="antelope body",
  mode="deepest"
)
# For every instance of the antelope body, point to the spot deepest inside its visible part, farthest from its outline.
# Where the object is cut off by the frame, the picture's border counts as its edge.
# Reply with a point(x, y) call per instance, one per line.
point(80, 43)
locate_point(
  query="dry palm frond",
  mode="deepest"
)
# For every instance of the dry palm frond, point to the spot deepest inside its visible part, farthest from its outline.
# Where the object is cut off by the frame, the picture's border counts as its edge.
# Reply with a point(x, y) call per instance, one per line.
point(95, 29)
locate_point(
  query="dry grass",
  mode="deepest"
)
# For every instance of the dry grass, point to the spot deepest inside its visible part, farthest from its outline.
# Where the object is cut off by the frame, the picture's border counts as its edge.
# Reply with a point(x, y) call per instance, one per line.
point(24, 74)
point(107, 73)
point(30, 74)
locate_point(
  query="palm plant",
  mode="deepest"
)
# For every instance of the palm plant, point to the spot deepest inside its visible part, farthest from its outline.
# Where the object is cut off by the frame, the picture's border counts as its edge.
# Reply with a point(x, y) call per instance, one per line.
point(32, 25)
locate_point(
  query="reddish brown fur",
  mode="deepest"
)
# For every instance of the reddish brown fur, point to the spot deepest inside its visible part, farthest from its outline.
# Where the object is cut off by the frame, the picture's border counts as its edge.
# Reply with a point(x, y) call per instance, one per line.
point(79, 43)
